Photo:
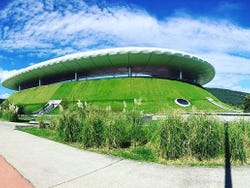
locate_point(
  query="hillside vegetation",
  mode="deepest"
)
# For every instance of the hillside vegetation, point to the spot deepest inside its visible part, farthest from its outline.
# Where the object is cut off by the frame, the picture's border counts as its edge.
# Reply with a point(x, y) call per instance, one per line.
point(1, 100)
point(234, 98)
point(157, 95)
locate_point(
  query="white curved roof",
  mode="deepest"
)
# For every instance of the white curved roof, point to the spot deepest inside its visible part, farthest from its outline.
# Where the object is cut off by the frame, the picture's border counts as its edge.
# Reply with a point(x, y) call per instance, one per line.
point(100, 58)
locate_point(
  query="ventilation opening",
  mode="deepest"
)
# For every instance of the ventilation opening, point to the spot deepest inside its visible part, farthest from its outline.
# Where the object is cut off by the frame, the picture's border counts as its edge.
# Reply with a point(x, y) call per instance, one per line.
point(182, 102)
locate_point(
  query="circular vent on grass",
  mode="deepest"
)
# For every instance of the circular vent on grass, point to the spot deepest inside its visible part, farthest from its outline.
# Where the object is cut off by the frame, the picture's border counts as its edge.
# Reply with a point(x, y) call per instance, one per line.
point(182, 102)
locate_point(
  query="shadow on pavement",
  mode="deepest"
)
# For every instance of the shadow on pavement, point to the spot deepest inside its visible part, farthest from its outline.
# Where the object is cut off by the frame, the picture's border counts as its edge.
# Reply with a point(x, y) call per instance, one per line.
point(228, 176)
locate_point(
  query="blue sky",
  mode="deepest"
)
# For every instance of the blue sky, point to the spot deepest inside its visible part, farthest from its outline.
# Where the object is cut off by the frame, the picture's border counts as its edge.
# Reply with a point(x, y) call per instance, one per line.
point(32, 31)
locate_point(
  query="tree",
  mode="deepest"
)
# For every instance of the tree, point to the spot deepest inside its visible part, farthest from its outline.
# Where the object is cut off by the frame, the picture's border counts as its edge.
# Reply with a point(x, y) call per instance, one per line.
point(247, 104)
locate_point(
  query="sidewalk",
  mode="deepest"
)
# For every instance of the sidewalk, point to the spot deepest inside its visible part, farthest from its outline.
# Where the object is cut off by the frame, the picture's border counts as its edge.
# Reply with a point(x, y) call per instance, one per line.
point(50, 164)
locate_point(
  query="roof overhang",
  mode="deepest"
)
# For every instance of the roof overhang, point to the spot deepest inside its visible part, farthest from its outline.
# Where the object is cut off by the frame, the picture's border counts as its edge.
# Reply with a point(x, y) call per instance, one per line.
point(114, 57)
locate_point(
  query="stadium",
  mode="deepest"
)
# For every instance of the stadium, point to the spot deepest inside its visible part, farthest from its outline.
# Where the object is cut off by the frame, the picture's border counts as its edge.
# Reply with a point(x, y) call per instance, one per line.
point(116, 62)
point(163, 78)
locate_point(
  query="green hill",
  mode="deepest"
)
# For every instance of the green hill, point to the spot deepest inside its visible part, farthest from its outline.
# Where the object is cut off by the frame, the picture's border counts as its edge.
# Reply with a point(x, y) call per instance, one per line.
point(1, 100)
point(234, 98)
point(157, 95)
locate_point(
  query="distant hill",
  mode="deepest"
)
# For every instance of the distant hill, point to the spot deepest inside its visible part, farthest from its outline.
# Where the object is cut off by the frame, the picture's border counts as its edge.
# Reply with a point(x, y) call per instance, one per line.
point(1, 100)
point(228, 96)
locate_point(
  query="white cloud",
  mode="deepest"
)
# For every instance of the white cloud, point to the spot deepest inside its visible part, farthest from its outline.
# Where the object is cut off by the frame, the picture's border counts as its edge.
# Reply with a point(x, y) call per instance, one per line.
point(50, 27)
point(117, 26)
point(4, 95)
point(230, 81)
point(4, 73)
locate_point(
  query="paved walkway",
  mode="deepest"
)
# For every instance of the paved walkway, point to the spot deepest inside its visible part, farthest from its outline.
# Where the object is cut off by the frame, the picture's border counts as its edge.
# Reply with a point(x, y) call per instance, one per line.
point(49, 164)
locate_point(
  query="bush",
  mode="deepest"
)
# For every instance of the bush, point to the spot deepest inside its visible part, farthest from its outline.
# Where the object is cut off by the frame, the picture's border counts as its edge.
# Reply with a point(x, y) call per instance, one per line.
point(138, 135)
point(93, 131)
point(88, 135)
point(205, 136)
point(54, 124)
point(173, 135)
point(246, 104)
point(20, 109)
point(42, 124)
point(10, 115)
point(238, 140)
point(151, 131)
point(9, 111)
point(118, 132)
point(69, 127)
point(198, 136)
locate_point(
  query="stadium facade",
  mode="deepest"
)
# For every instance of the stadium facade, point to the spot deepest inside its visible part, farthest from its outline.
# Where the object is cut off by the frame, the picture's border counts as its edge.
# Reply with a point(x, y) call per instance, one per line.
point(114, 62)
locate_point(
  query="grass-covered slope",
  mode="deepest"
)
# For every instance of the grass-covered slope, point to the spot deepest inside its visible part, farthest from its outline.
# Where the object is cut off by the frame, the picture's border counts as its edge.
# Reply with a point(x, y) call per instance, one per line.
point(157, 95)
point(235, 98)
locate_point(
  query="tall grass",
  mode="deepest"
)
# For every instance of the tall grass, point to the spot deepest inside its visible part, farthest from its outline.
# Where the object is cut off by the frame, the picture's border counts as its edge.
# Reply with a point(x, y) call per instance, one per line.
point(94, 131)
point(206, 136)
point(173, 142)
point(69, 127)
point(197, 136)
point(9, 112)
point(118, 132)
point(238, 140)
point(134, 120)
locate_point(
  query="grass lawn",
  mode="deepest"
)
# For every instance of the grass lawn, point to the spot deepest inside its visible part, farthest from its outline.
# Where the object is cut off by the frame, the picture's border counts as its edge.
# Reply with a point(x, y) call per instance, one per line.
point(157, 95)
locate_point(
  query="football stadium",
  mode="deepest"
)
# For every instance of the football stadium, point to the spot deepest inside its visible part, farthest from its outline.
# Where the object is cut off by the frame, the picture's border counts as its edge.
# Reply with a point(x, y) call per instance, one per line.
point(162, 78)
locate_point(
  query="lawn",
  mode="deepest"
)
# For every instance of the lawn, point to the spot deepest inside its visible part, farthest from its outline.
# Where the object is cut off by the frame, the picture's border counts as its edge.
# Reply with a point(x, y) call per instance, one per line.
point(157, 95)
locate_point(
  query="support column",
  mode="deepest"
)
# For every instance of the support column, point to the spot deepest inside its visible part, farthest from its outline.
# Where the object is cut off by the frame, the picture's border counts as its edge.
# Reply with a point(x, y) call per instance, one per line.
point(129, 71)
point(180, 75)
point(19, 87)
point(39, 82)
point(76, 76)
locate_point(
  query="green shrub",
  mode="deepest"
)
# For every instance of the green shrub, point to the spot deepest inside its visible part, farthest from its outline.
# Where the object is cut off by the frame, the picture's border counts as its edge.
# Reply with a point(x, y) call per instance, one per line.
point(246, 104)
point(69, 127)
point(53, 124)
point(198, 136)
point(10, 115)
point(118, 132)
point(42, 124)
point(9, 111)
point(98, 128)
point(205, 136)
point(173, 135)
point(88, 138)
point(94, 130)
point(238, 140)
point(151, 131)
point(247, 126)
point(138, 135)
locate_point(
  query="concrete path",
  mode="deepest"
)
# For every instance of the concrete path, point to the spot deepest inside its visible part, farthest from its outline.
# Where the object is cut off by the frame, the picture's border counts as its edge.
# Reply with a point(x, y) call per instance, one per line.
point(49, 164)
